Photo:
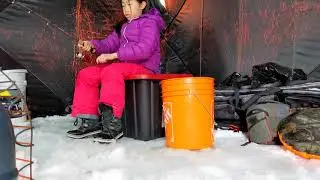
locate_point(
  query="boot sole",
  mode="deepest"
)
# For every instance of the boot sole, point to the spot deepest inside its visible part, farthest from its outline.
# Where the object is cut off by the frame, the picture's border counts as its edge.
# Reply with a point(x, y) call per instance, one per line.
point(108, 141)
point(84, 135)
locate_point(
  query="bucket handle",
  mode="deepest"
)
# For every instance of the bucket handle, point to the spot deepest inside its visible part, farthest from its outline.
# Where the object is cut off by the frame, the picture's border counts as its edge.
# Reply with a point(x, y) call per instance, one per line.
point(212, 117)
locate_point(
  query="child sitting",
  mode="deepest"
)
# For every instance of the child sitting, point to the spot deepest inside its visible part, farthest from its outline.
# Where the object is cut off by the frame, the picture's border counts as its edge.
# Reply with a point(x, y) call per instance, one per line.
point(135, 44)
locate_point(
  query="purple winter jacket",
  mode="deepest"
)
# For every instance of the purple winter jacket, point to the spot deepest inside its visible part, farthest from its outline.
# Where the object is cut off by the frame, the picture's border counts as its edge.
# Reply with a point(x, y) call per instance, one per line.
point(139, 41)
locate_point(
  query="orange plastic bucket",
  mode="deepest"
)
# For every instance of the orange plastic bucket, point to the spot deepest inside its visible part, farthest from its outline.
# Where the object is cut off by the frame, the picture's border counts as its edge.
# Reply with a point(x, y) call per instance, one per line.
point(188, 112)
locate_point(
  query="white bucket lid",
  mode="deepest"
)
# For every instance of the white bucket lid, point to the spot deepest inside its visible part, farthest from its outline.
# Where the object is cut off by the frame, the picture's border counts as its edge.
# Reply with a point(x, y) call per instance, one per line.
point(15, 71)
point(17, 75)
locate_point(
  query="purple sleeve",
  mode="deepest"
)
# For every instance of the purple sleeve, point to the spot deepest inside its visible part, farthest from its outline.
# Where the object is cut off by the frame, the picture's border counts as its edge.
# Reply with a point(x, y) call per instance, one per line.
point(110, 44)
point(149, 40)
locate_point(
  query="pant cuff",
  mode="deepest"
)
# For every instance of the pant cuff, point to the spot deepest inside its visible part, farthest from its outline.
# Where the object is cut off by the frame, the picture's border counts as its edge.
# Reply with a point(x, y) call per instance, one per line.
point(88, 116)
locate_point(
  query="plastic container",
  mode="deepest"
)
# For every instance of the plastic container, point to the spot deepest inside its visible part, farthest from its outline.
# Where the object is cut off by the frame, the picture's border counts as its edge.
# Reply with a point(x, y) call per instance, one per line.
point(188, 112)
point(142, 119)
point(8, 170)
point(16, 75)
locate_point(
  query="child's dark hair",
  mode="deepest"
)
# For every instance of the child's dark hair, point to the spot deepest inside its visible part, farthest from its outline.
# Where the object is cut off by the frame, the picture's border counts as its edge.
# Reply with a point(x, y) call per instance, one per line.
point(118, 25)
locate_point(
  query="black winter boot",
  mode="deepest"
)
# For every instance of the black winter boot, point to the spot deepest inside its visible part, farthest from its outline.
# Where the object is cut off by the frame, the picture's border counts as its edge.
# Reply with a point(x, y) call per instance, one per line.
point(87, 128)
point(111, 125)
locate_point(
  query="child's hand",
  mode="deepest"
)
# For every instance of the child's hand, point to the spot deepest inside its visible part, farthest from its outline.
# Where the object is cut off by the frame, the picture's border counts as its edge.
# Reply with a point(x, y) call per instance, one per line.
point(85, 45)
point(103, 58)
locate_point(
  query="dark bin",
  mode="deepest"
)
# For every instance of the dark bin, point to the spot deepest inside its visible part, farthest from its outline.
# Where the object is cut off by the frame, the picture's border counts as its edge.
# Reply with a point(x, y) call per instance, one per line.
point(142, 119)
point(8, 170)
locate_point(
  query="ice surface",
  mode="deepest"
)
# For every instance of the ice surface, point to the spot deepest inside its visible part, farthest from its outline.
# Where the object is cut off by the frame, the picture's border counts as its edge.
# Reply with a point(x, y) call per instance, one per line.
point(60, 158)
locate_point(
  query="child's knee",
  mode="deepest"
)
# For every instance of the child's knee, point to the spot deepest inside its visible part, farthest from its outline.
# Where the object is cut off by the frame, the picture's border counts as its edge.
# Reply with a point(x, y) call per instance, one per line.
point(114, 69)
point(88, 75)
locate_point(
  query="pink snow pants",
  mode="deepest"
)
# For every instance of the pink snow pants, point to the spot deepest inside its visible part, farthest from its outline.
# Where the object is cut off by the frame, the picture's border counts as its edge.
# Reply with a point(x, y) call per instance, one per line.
point(88, 92)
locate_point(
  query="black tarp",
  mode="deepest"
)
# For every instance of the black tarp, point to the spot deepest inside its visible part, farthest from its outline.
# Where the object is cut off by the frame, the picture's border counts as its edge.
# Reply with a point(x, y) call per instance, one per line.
point(40, 36)
point(29, 35)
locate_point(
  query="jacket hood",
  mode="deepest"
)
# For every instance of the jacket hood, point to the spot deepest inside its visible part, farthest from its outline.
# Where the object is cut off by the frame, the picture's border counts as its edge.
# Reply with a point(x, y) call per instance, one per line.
point(155, 15)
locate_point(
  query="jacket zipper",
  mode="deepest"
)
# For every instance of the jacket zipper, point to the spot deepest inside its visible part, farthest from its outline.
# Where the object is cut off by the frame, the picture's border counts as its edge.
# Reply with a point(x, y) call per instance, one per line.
point(124, 34)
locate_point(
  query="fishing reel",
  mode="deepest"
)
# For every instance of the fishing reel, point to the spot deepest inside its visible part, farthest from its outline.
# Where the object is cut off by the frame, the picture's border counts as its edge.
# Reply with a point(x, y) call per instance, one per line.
point(87, 56)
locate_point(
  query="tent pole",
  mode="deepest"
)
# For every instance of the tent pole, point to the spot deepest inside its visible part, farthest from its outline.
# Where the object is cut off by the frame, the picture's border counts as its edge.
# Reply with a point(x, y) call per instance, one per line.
point(201, 35)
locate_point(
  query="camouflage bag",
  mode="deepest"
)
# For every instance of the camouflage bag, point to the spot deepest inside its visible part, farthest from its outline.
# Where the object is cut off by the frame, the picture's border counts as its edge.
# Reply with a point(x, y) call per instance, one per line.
point(300, 133)
point(263, 120)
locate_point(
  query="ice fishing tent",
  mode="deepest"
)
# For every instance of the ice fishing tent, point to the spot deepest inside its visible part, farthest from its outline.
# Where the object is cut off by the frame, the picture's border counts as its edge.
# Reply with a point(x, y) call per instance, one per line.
point(204, 37)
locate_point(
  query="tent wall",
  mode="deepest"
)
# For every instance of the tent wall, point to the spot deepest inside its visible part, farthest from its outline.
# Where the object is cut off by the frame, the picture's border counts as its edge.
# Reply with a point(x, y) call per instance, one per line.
point(237, 34)
point(243, 33)
point(6, 62)
point(284, 31)
point(219, 40)
point(39, 36)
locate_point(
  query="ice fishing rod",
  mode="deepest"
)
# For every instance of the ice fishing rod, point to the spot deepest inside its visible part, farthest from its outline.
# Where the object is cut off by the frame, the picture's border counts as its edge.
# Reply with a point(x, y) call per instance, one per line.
point(166, 40)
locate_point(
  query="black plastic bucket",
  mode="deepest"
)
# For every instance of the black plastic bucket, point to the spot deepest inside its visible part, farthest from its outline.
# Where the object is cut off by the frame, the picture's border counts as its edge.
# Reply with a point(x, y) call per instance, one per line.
point(8, 170)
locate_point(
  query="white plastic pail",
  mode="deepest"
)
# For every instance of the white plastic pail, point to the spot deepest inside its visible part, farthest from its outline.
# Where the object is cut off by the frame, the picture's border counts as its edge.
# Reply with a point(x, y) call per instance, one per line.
point(16, 75)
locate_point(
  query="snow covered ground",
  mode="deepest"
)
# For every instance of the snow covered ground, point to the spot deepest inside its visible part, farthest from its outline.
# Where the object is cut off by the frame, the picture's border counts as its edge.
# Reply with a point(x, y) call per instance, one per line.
point(60, 158)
